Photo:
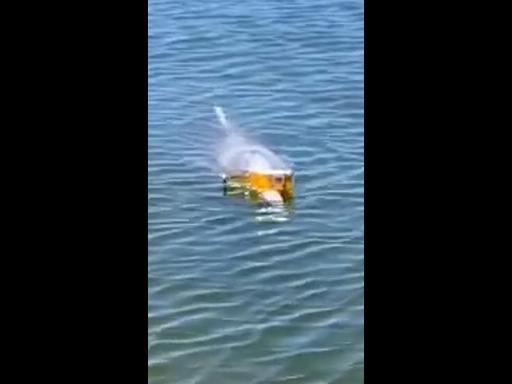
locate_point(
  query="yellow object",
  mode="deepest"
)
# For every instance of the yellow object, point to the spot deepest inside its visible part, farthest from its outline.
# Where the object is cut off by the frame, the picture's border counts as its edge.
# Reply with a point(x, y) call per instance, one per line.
point(262, 181)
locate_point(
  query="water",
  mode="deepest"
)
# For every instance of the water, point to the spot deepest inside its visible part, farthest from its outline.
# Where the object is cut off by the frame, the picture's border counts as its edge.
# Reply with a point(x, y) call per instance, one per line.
point(238, 293)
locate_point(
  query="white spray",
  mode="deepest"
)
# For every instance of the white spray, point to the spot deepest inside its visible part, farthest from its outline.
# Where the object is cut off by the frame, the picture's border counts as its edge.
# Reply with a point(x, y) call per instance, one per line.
point(236, 152)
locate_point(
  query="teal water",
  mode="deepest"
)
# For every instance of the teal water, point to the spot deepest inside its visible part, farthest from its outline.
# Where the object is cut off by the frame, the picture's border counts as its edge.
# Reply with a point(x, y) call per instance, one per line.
point(237, 294)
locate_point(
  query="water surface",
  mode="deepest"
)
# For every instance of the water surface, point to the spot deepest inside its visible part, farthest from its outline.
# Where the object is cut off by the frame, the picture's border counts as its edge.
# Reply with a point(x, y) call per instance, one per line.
point(238, 294)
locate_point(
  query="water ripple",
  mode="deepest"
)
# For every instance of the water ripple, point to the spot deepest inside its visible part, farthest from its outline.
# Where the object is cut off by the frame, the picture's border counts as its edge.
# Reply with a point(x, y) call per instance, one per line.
point(238, 292)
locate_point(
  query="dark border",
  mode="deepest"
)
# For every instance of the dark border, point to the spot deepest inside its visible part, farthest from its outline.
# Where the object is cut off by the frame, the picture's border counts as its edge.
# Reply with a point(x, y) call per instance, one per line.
point(84, 295)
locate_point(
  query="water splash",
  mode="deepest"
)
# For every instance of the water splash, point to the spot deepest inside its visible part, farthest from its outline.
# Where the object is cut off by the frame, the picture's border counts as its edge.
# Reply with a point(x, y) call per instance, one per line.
point(276, 213)
point(236, 152)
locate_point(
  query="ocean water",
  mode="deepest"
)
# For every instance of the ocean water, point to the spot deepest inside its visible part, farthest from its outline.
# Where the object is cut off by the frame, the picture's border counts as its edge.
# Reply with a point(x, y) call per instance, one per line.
point(238, 293)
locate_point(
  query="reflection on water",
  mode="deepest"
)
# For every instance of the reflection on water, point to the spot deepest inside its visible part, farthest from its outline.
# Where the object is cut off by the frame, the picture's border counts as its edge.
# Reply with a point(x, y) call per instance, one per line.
point(264, 212)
